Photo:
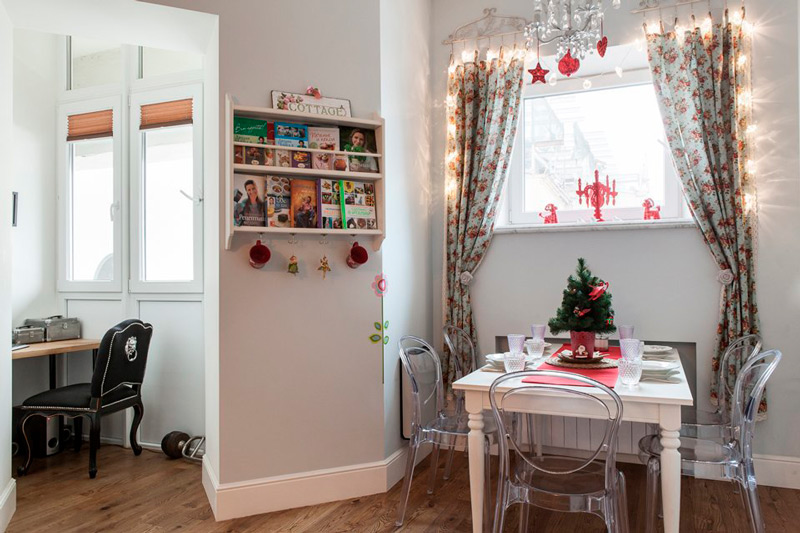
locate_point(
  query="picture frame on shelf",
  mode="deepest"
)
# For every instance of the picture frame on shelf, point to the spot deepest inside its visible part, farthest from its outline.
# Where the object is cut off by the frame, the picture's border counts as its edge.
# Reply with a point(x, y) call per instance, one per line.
point(303, 103)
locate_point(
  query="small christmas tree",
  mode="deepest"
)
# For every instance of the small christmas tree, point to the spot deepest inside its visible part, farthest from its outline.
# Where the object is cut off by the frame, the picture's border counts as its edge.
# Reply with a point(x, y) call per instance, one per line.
point(586, 305)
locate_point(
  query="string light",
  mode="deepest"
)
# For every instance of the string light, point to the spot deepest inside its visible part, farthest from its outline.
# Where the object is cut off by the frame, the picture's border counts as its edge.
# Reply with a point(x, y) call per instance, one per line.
point(491, 54)
point(654, 27)
point(451, 129)
point(752, 128)
point(742, 60)
point(587, 84)
point(748, 28)
point(618, 70)
point(467, 56)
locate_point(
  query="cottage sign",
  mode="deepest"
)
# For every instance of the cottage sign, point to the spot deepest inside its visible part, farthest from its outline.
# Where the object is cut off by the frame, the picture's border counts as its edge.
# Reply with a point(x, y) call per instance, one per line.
point(303, 103)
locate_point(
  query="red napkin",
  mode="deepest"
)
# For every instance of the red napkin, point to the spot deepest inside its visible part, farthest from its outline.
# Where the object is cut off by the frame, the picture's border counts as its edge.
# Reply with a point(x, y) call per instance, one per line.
point(606, 376)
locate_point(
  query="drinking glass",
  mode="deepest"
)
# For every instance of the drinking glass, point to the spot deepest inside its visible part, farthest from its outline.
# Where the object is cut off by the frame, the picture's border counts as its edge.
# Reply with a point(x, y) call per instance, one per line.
point(514, 361)
point(625, 332)
point(535, 347)
point(630, 349)
point(516, 343)
point(537, 331)
point(630, 372)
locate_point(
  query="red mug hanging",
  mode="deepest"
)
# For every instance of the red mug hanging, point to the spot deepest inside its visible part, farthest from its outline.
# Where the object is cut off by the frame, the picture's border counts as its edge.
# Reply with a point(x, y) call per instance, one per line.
point(259, 255)
point(358, 256)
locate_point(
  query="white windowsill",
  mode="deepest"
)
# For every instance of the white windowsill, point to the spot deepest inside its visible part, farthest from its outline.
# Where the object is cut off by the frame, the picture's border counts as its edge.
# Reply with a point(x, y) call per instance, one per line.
point(599, 226)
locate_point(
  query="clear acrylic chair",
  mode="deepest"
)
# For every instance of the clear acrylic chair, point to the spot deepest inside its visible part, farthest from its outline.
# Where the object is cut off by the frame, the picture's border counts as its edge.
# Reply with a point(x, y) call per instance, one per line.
point(731, 458)
point(429, 421)
point(566, 484)
point(717, 424)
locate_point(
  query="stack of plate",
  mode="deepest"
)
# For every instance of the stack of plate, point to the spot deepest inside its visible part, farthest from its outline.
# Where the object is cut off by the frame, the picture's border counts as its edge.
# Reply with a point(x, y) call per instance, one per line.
point(661, 371)
point(656, 352)
point(495, 361)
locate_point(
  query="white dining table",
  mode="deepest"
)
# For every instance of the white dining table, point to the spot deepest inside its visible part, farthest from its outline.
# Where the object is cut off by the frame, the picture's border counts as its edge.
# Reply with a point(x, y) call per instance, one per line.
point(652, 403)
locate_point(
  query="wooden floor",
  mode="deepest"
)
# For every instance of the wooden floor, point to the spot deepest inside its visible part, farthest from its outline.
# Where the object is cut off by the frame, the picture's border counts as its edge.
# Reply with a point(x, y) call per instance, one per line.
point(152, 494)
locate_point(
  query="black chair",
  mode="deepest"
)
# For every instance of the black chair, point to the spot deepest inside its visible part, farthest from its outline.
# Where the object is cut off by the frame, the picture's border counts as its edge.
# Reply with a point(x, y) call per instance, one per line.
point(116, 385)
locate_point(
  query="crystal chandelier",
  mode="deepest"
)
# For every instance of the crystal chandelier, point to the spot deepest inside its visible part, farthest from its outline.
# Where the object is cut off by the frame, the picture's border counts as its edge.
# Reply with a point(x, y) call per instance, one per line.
point(575, 25)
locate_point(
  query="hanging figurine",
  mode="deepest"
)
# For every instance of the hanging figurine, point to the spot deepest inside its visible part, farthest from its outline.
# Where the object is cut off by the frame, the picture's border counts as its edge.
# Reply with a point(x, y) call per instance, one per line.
point(323, 265)
point(538, 73)
point(651, 210)
point(293, 268)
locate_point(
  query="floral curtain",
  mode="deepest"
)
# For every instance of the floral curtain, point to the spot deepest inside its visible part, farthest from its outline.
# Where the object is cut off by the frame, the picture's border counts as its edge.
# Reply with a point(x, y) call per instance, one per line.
point(483, 99)
point(702, 79)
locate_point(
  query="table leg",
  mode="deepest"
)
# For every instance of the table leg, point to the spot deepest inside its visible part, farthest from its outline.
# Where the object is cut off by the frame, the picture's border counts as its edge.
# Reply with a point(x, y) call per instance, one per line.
point(52, 371)
point(670, 423)
point(476, 468)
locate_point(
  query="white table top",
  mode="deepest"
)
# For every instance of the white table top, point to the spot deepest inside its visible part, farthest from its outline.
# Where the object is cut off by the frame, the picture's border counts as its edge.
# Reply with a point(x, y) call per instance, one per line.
point(646, 392)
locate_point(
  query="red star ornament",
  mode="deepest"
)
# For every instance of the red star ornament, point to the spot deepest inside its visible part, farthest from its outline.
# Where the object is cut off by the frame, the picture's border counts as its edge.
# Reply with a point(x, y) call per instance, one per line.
point(538, 73)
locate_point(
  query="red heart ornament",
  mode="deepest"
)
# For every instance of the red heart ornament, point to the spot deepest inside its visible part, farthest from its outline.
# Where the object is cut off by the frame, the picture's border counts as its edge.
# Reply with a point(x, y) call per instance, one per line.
point(569, 65)
point(602, 44)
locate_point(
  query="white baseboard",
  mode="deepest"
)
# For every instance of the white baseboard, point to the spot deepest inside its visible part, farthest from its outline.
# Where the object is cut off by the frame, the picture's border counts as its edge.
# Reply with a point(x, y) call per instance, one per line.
point(8, 503)
point(777, 471)
point(266, 495)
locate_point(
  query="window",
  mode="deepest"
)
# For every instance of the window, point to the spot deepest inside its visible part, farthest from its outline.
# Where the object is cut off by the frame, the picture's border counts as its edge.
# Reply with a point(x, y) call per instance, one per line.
point(565, 134)
point(138, 226)
point(166, 175)
point(157, 62)
point(92, 63)
point(90, 196)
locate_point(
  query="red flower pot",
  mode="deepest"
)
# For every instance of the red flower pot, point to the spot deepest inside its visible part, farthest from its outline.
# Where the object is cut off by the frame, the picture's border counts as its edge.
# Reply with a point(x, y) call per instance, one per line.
point(582, 338)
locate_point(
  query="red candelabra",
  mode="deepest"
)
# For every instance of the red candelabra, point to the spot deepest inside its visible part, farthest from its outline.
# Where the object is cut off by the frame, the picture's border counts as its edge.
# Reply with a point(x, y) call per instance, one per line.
point(597, 194)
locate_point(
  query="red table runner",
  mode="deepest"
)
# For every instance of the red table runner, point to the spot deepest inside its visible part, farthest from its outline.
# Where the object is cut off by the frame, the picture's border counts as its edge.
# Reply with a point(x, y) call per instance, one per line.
point(606, 376)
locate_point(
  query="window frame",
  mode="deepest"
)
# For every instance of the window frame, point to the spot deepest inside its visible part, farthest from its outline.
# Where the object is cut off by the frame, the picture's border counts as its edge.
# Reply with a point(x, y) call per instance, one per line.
point(139, 98)
point(64, 196)
point(673, 210)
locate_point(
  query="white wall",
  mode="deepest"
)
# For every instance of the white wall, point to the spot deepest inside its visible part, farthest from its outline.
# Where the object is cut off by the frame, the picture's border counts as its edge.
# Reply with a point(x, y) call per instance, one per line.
point(405, 104)
point(34, 178)
point(663, 281)
point(8, 498)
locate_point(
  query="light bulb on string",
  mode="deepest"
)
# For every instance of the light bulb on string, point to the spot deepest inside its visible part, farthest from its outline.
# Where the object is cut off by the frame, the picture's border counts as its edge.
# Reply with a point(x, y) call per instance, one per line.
point(618, 70)
point(553, 80)
point(587, 84)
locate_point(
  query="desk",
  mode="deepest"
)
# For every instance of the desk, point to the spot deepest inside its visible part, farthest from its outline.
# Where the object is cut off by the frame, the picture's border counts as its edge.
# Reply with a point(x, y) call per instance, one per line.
point(652, 403)
point(54, 348)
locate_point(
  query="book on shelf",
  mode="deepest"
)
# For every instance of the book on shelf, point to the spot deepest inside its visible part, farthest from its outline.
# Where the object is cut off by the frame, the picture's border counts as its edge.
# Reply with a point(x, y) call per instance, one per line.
point(283, 158)
point(323, 139)
point(291, 135)
point(301, 159)
point(358, 205)
point(253, 130)
point(278, 198)
point(248, 203)
point(254, 155)
point(360, 140)
point(304, 203)
point(330, 207)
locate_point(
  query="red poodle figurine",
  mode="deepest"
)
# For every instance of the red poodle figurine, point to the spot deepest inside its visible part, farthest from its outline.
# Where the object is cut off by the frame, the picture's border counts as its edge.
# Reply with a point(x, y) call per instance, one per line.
point(550, 217)
point(651, 212)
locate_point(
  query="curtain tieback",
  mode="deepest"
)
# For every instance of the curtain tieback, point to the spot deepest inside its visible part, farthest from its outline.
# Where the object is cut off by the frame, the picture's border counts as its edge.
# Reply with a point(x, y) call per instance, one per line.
point(726, 276)
point(465, 278)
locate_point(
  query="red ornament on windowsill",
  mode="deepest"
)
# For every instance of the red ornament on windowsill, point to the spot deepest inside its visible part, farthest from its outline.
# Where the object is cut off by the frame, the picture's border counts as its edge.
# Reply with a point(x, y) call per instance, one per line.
point(569, 65)
point(550, 216)
point(651, 210)
point(598, 194)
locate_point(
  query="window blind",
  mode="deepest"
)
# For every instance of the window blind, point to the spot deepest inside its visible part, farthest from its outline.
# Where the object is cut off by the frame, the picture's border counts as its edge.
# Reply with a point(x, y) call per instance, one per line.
point(174, 113)
point(90, 125)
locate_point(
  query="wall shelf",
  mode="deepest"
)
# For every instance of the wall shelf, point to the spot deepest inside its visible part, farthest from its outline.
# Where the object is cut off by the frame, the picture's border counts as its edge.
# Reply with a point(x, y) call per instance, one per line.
point(232, 109)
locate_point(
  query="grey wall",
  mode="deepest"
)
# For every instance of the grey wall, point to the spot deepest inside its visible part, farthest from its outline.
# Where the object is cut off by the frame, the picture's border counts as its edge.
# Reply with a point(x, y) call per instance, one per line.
point(298, 375)
point(664, 280)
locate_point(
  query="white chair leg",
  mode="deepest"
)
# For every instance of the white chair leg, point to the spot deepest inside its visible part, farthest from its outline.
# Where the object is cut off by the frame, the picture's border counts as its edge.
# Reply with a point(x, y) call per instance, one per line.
point(524, 517)
point(434, 467)
point(621, 517)
point(751, 499)
point(449, 465)
point(487, 491)
point(410, 461)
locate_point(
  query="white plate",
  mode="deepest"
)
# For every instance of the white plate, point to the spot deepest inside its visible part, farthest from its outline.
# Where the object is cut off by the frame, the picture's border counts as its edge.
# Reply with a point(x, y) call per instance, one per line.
point(660, 365)
point(653, 348)
point(497, 359)
point(546, 344)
